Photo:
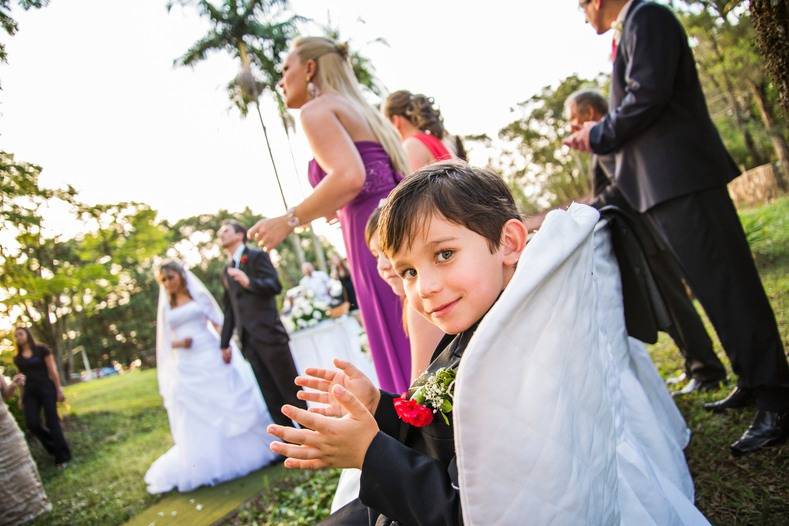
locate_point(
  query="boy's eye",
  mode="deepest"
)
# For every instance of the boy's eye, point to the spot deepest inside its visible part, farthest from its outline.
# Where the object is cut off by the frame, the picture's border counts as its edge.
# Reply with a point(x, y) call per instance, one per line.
point(445, 255)
point(408, 273)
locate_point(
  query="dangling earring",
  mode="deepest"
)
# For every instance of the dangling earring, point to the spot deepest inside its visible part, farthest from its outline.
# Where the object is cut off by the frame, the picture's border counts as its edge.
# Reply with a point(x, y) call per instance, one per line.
point(312, 90)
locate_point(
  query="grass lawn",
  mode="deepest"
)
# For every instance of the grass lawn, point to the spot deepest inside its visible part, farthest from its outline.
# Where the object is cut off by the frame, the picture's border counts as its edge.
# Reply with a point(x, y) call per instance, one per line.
point(117, 427)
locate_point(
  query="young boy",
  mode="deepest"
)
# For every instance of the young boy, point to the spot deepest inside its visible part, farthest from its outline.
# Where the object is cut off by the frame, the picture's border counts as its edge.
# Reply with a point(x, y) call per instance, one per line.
point(454, 235)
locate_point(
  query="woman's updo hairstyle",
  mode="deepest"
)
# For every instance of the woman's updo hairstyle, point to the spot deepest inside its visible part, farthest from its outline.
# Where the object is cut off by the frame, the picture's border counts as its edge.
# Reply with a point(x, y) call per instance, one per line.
point(418, 109)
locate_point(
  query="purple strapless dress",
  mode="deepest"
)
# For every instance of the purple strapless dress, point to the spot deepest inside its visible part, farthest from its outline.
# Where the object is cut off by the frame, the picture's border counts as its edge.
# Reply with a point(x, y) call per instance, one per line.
point(381, 308)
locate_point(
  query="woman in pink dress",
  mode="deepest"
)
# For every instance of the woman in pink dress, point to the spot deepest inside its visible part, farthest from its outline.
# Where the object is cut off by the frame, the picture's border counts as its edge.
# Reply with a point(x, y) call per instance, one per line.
point(358, 160)
point(421, 129)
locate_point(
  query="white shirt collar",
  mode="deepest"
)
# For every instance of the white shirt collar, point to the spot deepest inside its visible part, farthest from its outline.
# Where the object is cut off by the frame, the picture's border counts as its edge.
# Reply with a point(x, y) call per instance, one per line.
point(619, 23)
point(237, 254)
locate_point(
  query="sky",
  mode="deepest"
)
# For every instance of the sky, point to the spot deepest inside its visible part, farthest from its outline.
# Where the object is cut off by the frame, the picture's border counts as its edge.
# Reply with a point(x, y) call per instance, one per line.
point(90, 92)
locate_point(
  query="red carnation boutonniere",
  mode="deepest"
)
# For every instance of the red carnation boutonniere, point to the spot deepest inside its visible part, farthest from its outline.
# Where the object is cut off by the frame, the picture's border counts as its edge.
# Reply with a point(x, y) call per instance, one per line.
point(412, 412)
point(435, 395)
point(243, 260)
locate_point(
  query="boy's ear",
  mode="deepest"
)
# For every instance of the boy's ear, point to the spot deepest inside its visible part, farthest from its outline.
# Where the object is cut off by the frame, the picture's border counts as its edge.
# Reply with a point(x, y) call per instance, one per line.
point(513, 241)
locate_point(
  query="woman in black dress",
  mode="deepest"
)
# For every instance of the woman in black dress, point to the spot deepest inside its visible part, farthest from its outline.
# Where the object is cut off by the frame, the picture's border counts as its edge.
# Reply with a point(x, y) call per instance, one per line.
point(42, 391)
point(340, 272)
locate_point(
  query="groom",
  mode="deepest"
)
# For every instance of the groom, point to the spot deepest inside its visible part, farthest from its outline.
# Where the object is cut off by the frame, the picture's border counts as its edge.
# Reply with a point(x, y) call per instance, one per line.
point(251, 284)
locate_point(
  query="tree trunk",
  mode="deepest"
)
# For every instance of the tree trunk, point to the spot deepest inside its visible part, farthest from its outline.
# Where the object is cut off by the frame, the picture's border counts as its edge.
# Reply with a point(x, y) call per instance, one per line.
point(296, 242)
point(771, 21)
point(775, 133)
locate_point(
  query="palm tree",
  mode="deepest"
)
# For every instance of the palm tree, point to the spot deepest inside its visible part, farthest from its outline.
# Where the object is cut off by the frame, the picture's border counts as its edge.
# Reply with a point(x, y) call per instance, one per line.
point(257, 33)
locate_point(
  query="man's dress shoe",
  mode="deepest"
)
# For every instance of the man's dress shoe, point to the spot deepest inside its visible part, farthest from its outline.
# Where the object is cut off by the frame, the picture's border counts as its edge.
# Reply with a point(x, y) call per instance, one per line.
point(697, 385)
point(737, 399)
point(768, 428)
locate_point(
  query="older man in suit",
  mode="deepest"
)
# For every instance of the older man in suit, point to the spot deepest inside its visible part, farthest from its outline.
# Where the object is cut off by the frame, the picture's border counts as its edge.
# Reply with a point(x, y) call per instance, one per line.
point(251, 286)
point(672, 167)
point(703, 369)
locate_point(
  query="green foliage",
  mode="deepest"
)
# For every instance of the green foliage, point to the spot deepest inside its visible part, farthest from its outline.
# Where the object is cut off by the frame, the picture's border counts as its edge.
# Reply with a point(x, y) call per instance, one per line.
point(300, 498)
point(257, 32)
point(535, 157)
point(7, 22)
point(733, 76)
point(74, 291)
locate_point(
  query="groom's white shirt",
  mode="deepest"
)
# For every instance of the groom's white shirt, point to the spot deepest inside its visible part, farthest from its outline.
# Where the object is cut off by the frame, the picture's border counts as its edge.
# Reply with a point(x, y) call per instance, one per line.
point(237, 255)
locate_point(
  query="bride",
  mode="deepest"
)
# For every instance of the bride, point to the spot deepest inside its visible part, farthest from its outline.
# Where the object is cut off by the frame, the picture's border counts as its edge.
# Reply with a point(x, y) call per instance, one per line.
point(217, 415)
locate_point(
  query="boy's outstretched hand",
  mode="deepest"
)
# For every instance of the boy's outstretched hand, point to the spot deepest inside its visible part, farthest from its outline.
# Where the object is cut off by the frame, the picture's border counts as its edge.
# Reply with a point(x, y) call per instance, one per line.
point(323, 380)
point(326, 441)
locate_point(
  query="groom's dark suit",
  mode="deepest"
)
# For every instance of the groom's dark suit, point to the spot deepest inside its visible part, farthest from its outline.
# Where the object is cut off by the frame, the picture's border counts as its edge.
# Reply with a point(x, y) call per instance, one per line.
point(252, 312)
point(672, 166)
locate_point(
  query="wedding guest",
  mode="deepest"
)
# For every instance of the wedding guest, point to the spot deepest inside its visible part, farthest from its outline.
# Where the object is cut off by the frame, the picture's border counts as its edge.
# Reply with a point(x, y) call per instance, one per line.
point(340, 272)
point(358, 160)
point(702, 366)
point(42, 392)
point(456, 238)
point(21, 493)
point(422, 335)
point(672, 167)
point(317, 281)
point(420, 126)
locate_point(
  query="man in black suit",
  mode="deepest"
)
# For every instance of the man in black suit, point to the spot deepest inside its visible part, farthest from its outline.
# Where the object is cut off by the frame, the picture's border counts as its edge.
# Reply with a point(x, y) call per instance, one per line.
point(702, 367)
point(672, 166)
point(251, 285)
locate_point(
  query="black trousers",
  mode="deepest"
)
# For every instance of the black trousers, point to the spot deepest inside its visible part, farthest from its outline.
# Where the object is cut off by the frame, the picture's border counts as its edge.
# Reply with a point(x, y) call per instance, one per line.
point(275, 371)
point(703, 232)
point(687, 330)
point(34, 399)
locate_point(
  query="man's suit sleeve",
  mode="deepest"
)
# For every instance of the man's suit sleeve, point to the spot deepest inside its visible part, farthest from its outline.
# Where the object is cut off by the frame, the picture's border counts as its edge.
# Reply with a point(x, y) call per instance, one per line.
point(266, 281)
point(230, 321)
point(408, 486)
point(653, 40)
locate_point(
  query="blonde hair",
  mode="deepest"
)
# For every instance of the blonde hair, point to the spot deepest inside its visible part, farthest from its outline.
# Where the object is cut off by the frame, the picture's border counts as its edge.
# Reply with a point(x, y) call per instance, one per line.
point(335, 74)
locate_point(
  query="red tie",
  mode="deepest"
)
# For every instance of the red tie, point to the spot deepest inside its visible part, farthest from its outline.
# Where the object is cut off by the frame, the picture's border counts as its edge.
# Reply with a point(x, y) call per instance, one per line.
point(613, 49)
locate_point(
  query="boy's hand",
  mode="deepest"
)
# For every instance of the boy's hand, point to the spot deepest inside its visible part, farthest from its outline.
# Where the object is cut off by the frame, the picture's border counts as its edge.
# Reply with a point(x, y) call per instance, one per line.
point(349, 377)
point(326, 442)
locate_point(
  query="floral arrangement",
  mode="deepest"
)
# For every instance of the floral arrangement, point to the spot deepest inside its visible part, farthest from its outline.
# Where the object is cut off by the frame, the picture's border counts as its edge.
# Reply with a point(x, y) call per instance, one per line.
point(433, 396)
point(305, 311)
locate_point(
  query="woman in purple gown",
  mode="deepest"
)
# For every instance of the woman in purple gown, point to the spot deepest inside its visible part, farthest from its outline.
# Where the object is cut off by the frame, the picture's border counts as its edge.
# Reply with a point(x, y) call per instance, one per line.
point(358, 160)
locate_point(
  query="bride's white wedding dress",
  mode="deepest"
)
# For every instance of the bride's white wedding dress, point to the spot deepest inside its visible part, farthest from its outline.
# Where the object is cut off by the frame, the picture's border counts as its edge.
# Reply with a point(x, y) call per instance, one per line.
point(585, 432)
point(217, 415)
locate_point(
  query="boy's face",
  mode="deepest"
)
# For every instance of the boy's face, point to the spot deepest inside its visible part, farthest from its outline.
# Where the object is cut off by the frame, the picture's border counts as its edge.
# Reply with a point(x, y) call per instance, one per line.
point(450, 276)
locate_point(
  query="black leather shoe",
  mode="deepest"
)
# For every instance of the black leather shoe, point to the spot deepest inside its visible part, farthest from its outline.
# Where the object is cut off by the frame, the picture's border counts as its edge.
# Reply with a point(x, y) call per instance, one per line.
point(768, 428)
point(737, 399)
point(696, 385)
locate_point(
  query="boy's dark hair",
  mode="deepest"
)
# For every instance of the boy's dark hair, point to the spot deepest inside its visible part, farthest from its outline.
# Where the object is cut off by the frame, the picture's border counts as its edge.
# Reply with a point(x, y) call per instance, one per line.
point(471, 197)
point(372, 225)
point(238, 228)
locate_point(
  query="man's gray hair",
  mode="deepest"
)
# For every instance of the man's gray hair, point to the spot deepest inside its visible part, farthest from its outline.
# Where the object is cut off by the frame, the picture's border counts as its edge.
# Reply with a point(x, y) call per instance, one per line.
point(586, 98)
